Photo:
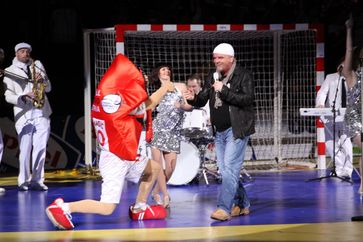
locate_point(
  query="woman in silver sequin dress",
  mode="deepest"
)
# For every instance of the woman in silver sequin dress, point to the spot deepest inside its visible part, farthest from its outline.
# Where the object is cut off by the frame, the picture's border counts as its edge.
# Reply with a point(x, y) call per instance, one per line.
point(353, 76)
point(167, 127)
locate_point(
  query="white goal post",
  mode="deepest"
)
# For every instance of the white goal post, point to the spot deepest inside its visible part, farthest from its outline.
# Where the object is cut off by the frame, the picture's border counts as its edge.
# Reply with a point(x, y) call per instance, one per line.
point(99, 50)
point(287, 61)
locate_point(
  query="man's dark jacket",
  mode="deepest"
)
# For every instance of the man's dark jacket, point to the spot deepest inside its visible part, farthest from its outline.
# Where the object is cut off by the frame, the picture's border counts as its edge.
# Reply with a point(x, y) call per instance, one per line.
point(240, 98)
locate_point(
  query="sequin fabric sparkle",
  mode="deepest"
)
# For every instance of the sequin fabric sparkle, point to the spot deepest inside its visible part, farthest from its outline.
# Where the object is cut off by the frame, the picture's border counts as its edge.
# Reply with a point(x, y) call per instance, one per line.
point(353, 112)
point(168, 123)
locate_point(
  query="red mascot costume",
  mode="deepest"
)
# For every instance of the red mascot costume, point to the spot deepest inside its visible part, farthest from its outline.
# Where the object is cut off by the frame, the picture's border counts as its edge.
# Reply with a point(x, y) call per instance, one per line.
point(119, 93)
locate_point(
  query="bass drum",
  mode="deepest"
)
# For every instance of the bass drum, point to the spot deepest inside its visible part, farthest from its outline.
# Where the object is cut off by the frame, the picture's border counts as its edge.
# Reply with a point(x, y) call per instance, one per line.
point(187, 164)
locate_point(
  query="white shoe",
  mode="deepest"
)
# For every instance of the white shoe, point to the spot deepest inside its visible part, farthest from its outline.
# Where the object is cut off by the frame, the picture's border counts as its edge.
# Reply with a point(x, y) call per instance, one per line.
point(344, 174)
point(2, 190)
point(24, 187)
point(39, 187)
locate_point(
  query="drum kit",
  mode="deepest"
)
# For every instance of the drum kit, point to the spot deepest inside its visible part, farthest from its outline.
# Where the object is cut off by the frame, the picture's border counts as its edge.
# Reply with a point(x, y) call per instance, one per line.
point(197, 156)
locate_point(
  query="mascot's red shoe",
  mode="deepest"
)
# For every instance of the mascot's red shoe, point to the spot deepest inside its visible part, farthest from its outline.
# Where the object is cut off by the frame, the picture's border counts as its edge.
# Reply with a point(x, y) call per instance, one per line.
point(60, 218)
point(150, 213)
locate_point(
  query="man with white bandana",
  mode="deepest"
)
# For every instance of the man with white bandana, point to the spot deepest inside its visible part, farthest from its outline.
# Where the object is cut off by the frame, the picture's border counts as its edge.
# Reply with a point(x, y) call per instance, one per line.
point(230, 91)
point(32, 123)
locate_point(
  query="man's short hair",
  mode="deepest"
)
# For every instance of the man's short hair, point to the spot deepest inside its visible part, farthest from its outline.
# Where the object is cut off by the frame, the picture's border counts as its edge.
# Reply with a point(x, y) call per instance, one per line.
point(196, 77)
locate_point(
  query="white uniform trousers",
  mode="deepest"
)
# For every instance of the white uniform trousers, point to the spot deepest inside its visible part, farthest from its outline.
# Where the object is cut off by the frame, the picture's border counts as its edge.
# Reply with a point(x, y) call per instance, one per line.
point(33, 138)
point(343, 148)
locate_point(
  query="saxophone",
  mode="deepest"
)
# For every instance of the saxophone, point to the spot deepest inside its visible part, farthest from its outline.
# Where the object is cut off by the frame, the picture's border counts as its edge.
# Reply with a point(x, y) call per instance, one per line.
point(38, 88)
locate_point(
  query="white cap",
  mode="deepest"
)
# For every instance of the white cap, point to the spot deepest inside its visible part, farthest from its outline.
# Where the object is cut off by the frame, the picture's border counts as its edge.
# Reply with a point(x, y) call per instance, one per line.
point(224, 49)
point(23, 46)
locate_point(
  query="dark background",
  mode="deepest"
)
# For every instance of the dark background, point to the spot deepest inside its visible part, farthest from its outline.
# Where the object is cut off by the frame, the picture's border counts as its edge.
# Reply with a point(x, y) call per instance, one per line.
point(54, 29)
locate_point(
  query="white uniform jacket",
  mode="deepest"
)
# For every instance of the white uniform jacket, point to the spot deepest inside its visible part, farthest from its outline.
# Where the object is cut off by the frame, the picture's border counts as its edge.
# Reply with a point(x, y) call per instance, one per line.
point(326, 94)
point(328, 89)
point(16, 87)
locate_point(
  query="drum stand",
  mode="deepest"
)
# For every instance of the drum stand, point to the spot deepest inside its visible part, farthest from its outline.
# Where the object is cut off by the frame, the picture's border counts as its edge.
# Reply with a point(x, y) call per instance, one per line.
point(243, 170)
point(249, 177)
point(203, 170)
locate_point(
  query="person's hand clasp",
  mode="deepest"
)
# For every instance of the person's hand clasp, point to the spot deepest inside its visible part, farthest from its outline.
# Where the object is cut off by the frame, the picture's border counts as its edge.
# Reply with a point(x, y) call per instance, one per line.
point(218, 86)
point(188, 94)
point(168, 84)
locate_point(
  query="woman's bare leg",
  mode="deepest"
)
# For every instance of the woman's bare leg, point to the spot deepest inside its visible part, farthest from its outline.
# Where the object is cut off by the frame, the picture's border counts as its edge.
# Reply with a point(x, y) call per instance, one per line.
point(358, 142)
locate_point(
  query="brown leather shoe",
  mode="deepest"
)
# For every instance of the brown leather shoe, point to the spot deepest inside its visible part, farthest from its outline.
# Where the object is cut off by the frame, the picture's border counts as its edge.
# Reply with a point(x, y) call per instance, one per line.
point(237, 211)
point(220, 215)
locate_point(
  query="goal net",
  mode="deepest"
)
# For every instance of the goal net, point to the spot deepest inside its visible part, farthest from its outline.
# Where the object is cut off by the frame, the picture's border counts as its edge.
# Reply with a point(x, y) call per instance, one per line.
point(283, 62)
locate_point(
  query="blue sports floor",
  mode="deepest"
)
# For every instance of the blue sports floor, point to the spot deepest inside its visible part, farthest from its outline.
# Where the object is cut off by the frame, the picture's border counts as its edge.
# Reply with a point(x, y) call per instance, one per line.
point(284, 207)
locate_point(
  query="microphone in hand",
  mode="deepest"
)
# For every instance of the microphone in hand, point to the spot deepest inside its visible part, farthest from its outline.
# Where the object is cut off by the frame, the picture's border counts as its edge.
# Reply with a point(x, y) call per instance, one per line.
point(217, 83)
point(216, 76)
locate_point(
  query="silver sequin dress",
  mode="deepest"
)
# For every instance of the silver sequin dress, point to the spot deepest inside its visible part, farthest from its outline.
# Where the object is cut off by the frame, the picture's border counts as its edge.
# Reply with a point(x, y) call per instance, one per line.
point(353, 112)
point(168, 123)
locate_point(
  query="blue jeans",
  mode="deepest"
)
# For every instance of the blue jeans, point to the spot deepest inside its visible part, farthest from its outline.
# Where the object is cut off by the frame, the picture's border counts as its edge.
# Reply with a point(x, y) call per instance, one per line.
point(230, 156)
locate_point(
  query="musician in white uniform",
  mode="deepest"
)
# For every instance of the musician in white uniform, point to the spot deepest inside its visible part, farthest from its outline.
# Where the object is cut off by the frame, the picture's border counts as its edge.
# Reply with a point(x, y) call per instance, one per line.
point(31, 117)
point(331, 90)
